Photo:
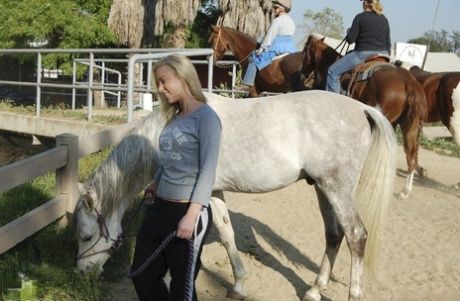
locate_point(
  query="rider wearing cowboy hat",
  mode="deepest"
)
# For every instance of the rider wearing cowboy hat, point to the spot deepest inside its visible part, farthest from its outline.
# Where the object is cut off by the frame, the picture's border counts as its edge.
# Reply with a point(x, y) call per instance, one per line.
point(277, 40)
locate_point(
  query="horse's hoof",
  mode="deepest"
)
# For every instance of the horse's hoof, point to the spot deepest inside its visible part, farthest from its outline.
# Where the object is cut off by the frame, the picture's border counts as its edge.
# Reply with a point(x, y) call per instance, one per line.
point(422, 172)
point(312, 295)
point(236, 295)
point(456, 186)
point(402, 195)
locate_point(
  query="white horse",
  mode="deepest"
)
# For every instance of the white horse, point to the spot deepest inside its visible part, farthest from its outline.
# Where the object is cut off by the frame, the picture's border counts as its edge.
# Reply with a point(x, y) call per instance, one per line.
point(343, 147)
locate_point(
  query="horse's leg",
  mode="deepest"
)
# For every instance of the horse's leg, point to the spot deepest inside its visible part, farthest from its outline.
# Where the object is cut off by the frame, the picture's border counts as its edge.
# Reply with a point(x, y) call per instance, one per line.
point(342, 205)
point(411, 129)
point(221, 220)
point(253, 92)
point(334, 236)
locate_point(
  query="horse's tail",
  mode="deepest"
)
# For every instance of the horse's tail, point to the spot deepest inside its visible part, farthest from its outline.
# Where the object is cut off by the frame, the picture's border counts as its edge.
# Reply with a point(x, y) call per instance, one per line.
point(375, 187)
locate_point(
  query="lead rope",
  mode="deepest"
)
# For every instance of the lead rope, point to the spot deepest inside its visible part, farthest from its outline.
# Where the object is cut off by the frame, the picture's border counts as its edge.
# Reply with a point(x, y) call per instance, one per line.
point(188, 290)
point(194, 246)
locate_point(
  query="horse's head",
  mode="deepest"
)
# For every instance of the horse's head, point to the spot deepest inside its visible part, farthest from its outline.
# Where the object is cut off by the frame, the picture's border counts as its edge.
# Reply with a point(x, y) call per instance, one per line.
point(309, 71)
point(218, 43)
point(317, 57)
point(97, 235)
point(311, 52)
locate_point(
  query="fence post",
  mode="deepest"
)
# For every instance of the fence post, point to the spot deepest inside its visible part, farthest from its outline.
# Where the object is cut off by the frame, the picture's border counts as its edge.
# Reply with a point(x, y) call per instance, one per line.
point(67, 176)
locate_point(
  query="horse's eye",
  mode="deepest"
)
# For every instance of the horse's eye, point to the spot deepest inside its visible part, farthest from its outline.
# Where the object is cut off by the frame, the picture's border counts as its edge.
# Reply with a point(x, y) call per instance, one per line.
point(86, 238)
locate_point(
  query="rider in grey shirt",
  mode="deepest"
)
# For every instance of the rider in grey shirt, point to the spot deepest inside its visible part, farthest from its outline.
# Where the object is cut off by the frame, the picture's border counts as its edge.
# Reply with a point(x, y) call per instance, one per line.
point(189, 148)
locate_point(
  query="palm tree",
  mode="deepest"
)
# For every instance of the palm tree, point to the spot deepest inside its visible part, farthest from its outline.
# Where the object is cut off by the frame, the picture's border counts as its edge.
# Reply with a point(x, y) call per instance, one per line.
point(252, 17)
point(140, 23)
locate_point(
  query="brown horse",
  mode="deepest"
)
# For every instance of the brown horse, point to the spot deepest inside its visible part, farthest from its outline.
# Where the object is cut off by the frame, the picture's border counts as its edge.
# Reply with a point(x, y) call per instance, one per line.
point(282, 75)
point(442, 92)
point(390, 88)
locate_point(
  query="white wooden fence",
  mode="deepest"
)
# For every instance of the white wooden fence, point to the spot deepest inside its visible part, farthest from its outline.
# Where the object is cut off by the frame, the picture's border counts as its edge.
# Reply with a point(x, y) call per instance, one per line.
point(63, 159)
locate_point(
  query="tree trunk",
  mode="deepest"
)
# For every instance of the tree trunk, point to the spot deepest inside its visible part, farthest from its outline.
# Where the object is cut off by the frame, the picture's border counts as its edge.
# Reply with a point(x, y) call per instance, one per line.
point(172, 18)
point(126, 20)
point(138, 23)
point(252, 17)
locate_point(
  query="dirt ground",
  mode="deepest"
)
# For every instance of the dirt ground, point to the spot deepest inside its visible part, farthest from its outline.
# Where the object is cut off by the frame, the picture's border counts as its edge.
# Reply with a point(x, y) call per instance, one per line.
point(280, 236)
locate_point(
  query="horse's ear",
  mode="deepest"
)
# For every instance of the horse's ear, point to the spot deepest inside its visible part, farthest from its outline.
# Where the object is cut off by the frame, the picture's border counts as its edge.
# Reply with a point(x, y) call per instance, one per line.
point(88, 201)
point(323, 38)
point(307, 59)
point(80, 187)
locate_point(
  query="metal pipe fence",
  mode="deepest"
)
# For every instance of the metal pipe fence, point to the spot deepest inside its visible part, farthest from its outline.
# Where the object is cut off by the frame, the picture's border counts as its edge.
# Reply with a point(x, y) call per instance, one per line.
point(138, 56)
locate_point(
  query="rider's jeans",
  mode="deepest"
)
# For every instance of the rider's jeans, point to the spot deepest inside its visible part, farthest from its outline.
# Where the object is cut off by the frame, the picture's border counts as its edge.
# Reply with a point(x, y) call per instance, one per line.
point(345, 64)
point(251, 72)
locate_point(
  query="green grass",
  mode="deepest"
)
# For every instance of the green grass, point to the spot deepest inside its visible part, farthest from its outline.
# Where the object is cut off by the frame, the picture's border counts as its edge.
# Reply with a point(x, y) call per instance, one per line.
point(442, 145)
point(111, 115)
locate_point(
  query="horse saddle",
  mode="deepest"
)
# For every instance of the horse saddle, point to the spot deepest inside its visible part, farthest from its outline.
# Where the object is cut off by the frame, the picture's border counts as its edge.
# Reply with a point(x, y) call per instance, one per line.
point(364, 71)
point(280, 56)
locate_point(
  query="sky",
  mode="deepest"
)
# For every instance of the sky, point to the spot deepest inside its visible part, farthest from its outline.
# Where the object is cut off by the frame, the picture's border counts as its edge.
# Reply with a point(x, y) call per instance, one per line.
point(408, 18)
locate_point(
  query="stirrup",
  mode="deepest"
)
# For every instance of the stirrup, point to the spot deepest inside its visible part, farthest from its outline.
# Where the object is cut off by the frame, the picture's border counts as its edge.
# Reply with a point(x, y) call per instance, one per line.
point(242, 87)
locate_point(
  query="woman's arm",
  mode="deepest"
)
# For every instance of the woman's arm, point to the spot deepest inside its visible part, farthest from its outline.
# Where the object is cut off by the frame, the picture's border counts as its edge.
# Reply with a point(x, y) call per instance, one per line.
point(209, 132)
point(353, 32)
point(270, 35)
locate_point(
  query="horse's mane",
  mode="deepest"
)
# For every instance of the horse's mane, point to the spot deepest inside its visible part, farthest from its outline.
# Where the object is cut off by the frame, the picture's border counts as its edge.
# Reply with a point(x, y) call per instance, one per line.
point(239, 33)
point(128, 168)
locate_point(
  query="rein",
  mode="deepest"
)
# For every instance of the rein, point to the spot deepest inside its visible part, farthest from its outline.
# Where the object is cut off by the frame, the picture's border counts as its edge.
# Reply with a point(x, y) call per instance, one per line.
point(104, 233)
point(226, 65)
point(343, 43)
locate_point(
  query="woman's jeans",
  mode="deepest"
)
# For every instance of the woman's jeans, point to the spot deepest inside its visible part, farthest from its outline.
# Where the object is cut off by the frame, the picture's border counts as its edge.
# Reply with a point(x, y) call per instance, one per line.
point(345, 64)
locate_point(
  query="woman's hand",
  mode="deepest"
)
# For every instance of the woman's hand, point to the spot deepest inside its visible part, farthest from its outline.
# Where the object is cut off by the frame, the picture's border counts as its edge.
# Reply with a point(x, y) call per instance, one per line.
point(149, 192)
point(186, 225)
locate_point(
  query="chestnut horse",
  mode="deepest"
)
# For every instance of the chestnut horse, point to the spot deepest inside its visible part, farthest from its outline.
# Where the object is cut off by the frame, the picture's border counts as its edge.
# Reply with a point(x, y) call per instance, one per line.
point(442, 91)
point(282, 75)
point(390, 88)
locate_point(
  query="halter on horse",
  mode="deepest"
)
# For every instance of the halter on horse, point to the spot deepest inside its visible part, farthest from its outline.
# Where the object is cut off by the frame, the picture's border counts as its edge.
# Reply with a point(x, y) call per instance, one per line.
point(391, 89)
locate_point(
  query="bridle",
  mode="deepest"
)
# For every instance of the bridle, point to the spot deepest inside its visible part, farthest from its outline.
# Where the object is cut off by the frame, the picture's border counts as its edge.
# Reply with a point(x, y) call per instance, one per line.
point(219, 41)
point(104, 233)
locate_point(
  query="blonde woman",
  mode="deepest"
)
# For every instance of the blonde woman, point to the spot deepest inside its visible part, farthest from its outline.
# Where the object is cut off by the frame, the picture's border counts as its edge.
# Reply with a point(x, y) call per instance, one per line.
point(370, 32)
point(181, 189)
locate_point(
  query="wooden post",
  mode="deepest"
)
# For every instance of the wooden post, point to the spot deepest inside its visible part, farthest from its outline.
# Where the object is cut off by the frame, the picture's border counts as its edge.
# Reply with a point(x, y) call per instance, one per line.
point(67, 176)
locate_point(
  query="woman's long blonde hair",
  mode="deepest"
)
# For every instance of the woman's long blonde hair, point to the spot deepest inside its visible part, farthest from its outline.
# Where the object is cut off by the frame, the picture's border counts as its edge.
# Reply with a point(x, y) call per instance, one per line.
point(186, 72)
point(376, 6)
